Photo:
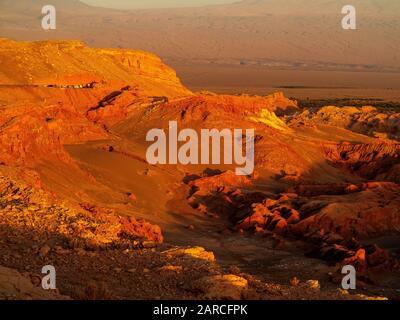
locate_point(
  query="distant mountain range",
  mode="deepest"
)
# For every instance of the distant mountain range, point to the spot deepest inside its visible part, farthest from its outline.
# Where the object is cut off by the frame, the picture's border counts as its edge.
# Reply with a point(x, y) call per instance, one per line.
point(286, 33)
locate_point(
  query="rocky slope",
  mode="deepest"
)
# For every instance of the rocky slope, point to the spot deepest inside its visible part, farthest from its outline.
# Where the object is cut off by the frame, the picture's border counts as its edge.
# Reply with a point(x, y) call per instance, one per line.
point(76, 189)
point(227, 33)
point(94, 251)
point(366, 120)
point(42, 107)
point(75, 64)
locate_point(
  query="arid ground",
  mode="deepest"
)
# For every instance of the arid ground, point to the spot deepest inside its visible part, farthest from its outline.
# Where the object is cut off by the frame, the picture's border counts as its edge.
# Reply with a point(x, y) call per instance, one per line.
point(77, 191)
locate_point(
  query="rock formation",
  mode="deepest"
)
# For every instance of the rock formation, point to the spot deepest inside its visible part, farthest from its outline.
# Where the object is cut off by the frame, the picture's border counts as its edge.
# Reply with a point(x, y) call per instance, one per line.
point(75, 184)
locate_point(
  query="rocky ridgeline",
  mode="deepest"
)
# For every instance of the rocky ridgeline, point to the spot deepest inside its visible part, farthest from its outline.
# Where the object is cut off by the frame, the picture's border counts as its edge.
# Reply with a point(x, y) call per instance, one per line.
point(119, 105)
point(231, 109)
point(75, 63)
point(25, 210)
point(373, 161)
point(365, 120)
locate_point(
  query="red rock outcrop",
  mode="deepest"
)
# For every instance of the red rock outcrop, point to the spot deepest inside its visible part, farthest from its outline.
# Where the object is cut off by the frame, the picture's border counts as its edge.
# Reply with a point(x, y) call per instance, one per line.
point(53, 115)
point(130, 227)
point(17, 286)
point(319, 183)
point(367, 160)
point(29, 134)
point(335, 218)
point(366, 120)
point(73, 63)
point(371, 212)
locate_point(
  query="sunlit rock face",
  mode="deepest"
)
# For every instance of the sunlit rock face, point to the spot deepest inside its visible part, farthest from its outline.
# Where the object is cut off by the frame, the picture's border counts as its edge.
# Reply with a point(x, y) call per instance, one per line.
point(75, 183)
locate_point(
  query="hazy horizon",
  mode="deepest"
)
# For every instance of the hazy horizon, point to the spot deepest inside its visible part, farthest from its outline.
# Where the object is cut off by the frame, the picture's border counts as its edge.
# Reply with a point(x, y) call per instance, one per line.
point(147, 4)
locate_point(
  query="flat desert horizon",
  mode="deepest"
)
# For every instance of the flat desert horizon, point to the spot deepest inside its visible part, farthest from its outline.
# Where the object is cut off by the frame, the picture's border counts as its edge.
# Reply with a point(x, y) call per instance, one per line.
point(244, 47)
point(202, 152)
point(299, 84)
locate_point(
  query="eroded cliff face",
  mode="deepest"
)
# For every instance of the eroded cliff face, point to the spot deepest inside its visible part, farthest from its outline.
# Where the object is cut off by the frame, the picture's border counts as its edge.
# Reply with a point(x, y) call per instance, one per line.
point(379, 160)
point(73, 124)
point(366, 120)
point(69, 63)
point(59, 92)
